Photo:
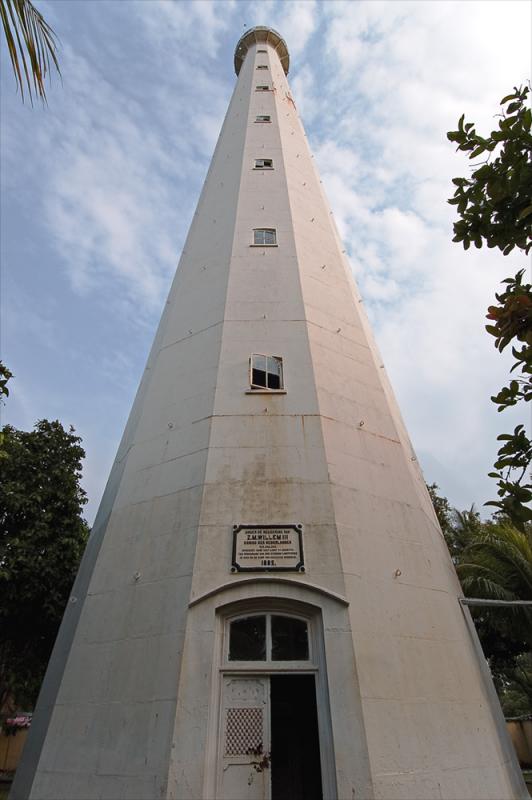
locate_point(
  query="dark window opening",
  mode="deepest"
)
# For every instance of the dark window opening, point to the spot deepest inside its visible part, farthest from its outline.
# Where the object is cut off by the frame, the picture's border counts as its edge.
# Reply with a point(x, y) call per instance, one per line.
point(262, 88)
point(289, 639)
point(262, 66)
point(247, 639)
point(263, 118)
point(263, 163)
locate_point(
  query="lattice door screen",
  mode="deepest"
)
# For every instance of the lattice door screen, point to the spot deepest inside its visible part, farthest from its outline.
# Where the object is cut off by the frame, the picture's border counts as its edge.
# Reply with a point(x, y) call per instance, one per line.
point(244, 728)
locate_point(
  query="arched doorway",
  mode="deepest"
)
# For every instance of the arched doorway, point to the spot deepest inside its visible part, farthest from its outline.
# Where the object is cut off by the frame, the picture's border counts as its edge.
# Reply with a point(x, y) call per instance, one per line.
point(273, 724)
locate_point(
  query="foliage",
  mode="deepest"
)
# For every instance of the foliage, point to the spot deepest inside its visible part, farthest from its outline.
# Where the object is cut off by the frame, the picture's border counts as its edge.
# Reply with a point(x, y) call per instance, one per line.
point(493, 561)
point(42, 538)
point(516, 690)
point(458, 527)
point(497, 565)
point(495, 203)
point(29, 38)
point(5, 375)
point(494, 207)
point(444, 512)
point(514, 455)
point(513, 320)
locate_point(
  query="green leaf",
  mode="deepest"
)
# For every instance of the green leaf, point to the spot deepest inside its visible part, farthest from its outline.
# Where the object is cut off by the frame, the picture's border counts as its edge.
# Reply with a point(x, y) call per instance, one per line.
point(525, 212)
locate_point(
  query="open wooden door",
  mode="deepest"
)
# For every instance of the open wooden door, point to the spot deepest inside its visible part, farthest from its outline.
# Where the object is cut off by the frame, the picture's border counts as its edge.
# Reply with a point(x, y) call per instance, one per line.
point(245, 739)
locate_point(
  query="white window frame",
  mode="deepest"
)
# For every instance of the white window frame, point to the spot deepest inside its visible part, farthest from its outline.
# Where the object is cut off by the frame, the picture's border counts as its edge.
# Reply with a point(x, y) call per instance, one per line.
point(263, 118)
point(254, 387)
point(260, 163)
point(308, 665)
point(258, 244)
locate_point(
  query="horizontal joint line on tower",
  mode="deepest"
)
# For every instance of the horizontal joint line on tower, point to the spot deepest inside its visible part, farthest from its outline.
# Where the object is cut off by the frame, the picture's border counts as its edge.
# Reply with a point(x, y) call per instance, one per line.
point(189, 335)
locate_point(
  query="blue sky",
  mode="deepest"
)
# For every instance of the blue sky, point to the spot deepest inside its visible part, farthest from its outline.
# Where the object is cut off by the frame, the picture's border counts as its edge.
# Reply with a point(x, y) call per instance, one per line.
point(99, 187)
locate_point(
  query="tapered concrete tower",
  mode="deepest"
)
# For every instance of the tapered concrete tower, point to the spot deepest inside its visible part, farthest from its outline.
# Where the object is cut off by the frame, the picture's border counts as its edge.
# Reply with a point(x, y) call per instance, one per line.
point(267, 608)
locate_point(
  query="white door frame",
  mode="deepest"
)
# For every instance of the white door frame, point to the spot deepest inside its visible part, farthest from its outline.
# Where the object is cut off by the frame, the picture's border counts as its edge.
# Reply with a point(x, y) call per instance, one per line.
point(315, 666)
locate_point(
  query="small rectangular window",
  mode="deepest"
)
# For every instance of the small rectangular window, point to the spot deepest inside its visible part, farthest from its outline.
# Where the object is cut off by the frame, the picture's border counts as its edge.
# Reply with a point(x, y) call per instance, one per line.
point(265, 236)
point(266, 372)
point(262, 66)
point(262, 88)
point(262, 51)
point(263, 118)
point(263, 163)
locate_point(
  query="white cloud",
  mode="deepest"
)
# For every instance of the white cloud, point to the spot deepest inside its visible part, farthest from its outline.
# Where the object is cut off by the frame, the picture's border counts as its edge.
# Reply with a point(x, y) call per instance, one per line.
point(404, 72)
point(304, 86)
point(106, 195)
point(183, 22)
point(296, 22)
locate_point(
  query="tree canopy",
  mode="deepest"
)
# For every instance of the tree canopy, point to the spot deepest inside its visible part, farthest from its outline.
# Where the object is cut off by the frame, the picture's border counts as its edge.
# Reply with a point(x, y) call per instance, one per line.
point(42, 539)
point(493, 560)
point(494, 206)
point(495, 203)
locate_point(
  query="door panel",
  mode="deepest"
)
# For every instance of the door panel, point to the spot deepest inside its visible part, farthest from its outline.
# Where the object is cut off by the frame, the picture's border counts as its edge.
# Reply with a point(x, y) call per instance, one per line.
point(245, 739)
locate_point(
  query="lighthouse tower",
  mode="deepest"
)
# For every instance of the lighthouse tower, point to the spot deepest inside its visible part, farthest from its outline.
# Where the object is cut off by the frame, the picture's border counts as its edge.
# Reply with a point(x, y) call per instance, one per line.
point(266, 608)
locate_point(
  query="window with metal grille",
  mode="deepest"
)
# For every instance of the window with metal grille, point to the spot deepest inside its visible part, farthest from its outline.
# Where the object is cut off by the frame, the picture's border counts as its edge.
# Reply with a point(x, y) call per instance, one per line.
point(262, 88)
point(263, 118)
point(265, 236)
point(263, 163)
point(266, 372)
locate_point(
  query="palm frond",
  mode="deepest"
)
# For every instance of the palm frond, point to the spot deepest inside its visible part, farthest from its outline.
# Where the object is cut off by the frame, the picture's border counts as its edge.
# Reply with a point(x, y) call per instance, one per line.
point(31, 44)
point(511, 550)
point(497, 565)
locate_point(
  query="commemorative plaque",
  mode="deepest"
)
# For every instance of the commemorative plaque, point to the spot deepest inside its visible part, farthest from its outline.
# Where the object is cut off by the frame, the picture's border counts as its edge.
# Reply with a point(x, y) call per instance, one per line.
point(263, 548)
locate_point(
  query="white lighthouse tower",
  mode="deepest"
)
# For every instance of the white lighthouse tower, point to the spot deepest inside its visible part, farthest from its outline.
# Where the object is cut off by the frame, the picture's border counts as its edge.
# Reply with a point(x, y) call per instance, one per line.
point(267, 608)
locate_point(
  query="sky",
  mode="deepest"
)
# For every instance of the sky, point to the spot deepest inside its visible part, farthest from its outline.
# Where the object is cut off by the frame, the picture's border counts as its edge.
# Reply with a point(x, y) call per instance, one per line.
point(98, 189)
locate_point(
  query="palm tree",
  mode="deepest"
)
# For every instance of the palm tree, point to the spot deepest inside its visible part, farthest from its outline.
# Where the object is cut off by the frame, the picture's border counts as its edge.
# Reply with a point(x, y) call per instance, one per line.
point(496, 564)
point(31, 43)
